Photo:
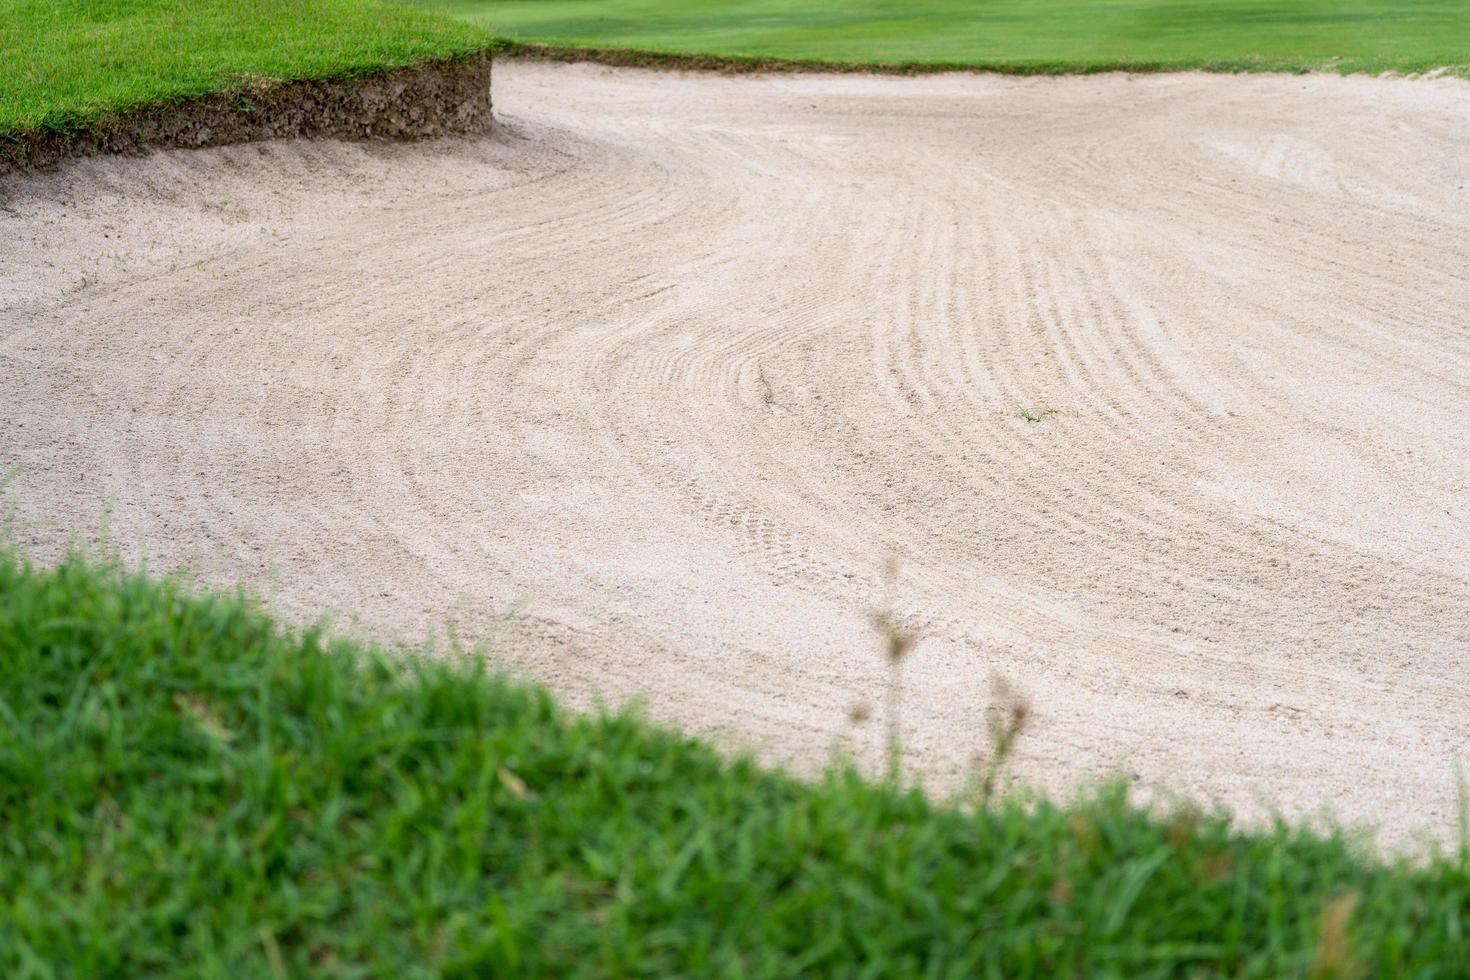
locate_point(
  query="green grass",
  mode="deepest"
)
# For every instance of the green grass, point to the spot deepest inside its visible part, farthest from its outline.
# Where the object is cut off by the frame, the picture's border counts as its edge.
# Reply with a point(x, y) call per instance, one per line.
point(68, 63)
point(186, 790)
point(1038, 414)
point(1012, 35)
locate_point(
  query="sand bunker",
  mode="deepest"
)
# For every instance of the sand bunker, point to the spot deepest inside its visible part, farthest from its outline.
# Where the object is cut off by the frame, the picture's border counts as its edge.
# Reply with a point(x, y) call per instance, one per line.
point(1160, 386)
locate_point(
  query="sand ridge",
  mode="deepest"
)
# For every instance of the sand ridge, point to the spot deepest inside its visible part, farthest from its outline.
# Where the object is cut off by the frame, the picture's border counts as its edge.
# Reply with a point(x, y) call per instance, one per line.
point(1159, 386)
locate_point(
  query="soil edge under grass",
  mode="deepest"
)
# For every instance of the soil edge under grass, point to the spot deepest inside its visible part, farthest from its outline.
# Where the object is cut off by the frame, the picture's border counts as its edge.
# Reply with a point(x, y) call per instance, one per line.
point(444, 97)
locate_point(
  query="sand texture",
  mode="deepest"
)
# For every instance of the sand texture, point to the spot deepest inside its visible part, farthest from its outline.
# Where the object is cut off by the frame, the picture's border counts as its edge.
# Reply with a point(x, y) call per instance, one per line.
point(1159, 387)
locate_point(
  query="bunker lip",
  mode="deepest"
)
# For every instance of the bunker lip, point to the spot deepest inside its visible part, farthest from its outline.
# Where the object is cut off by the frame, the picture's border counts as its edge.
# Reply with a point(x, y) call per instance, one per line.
point(728, 64)
point(451, 97)
point(444, 97)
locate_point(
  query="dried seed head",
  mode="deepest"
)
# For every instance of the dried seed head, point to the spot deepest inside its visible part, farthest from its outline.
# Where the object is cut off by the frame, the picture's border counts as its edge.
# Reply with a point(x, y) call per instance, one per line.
point(1010, 710)
point(897, 642)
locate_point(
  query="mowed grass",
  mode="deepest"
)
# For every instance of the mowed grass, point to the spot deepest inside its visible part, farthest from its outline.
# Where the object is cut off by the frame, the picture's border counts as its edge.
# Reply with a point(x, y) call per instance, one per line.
point(1010, 35)
point(186, 790)
point(67, 63)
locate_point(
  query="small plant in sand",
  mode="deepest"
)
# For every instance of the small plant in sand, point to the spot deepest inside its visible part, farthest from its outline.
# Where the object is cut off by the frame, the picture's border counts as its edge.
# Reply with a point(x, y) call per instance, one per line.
point(231, 211)
point(85, 281)
point(1038, 414)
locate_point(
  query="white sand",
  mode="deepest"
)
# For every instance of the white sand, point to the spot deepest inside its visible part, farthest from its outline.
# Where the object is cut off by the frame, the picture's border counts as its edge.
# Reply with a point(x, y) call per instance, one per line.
point(643, 390)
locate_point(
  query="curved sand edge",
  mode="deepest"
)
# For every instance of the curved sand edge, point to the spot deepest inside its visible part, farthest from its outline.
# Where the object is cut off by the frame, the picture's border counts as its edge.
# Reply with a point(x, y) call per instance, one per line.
point(1159, 385)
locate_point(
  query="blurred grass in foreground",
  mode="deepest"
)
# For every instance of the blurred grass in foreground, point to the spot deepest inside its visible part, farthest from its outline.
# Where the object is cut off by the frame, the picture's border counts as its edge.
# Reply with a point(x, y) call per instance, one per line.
point(187, 790)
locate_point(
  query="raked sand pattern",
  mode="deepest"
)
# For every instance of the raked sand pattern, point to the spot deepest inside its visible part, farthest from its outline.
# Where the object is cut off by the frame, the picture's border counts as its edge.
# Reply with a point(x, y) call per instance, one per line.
point(1159, 387)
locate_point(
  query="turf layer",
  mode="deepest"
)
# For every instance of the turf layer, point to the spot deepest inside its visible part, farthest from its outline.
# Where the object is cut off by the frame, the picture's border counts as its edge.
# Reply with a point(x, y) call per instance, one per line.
point(69, 63)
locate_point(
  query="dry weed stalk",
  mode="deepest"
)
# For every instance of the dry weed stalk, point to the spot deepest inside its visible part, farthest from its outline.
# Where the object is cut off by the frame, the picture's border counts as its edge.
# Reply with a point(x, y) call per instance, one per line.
point(898, 643)
point(1008, 715)
point(1462, 814)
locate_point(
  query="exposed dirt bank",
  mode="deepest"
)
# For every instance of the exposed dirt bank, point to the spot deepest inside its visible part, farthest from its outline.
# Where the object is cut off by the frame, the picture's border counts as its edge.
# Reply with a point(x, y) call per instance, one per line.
point(439, 98)
point(1160, 385)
